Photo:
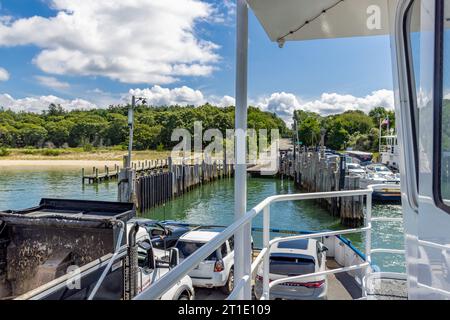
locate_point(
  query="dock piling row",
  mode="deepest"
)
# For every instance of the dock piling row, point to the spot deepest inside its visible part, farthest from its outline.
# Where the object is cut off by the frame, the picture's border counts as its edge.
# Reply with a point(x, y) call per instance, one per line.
point(157, 182)
point(312, 172)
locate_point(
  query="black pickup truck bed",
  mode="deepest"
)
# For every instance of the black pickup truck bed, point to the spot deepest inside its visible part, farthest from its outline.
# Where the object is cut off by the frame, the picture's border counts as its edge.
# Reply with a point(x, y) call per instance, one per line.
point(41, 244)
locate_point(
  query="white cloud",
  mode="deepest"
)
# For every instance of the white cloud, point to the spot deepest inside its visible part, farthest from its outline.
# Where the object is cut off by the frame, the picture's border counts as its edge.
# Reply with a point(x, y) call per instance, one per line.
point(224, 101)
point(284, 104)
point(332, 103)
point(158, 96)
point(52, 82)
point(281, 103)
point(183, 96)
point(132, 41)
point(4, 74)
point(227, 101)
point(39, 104)
point(224, 12)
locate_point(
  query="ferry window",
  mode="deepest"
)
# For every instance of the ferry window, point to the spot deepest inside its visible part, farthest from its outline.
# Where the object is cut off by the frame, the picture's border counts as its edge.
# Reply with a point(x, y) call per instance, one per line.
point(442, 98)
point(414, 39)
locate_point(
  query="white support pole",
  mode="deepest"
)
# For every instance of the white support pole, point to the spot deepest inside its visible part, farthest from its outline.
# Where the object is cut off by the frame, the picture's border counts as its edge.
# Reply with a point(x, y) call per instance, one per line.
point(368, 225)
point(242, 256)
point(266, 244)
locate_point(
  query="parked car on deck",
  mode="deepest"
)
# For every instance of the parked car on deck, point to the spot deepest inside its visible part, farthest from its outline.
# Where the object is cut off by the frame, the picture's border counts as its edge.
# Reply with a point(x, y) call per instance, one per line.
point(163, 235)
point(154, 263)
point(294, 258)
point(217, 271)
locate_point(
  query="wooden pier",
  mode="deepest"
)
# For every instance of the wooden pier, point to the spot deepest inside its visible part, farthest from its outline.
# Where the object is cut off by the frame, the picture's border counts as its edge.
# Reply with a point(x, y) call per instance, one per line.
point(97, 176)
point(107, 174)
point(313, 172)
point(163, 180)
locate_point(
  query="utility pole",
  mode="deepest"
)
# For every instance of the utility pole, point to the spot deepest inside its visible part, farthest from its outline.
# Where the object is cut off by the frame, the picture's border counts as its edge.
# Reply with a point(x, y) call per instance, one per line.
point(134, 100)
point(379, 133)
point(131, 128)
point(322, 142)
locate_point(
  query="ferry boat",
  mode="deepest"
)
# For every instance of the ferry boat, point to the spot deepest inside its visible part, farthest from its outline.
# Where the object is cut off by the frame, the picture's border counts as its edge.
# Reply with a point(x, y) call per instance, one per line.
point(379, 174)
point(416, 29)
point(421, 120)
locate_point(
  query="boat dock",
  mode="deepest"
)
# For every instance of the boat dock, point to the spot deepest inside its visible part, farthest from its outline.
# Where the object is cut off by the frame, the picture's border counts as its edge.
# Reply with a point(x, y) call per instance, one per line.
point(107, 174)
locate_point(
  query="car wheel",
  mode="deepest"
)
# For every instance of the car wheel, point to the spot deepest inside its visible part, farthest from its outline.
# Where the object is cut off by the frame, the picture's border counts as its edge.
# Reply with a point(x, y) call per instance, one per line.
point(229, 286)
point(184, 296)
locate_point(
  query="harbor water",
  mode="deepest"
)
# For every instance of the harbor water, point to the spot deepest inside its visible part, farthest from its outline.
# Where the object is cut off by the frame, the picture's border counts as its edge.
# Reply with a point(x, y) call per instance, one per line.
point(211, 204)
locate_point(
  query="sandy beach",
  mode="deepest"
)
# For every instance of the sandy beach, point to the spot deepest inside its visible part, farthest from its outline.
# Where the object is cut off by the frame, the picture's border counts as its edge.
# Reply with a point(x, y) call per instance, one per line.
point(55, 164)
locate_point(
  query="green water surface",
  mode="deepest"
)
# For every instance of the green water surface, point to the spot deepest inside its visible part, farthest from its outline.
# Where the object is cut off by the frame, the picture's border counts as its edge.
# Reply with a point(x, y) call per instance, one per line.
point(211, 204)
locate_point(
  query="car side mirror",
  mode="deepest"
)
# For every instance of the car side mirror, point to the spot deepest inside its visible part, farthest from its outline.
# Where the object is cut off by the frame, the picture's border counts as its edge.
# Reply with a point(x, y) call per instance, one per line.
point(150, 259)
point(174, 258)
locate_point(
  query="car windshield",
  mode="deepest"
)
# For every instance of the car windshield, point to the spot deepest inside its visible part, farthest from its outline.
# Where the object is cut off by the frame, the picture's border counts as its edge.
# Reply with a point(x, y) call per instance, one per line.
point(186, 248)
point(381, 169)
point(293, 265)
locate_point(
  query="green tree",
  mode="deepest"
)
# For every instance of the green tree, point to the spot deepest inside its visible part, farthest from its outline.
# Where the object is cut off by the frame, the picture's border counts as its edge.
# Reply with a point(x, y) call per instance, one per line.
point(59, 132)
point(446, 128)
point(146, 137)
point(55, 110)
point(88, 129)
point(309, 125)
point(380, 113)
point(8, 135)
point(32, 135)
point(117, 130)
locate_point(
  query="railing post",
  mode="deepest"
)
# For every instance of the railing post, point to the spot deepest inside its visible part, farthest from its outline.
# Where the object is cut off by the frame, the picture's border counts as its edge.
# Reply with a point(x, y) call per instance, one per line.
point(368, 225)
point(266, 244)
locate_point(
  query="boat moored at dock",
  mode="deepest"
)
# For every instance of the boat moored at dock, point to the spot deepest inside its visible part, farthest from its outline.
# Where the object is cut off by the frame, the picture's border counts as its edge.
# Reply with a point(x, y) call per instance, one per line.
point(379, 174)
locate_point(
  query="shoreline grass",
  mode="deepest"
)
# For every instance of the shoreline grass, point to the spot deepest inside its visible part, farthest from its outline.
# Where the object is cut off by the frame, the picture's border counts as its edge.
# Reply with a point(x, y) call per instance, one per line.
point(97, 154)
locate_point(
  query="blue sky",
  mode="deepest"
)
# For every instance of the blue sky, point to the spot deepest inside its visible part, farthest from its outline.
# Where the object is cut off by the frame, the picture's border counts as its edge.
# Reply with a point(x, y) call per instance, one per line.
point(319, 75)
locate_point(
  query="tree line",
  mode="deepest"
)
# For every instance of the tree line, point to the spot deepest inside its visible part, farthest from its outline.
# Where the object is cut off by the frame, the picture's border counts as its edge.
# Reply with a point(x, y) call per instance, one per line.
point(59, 128)
point(350, 129)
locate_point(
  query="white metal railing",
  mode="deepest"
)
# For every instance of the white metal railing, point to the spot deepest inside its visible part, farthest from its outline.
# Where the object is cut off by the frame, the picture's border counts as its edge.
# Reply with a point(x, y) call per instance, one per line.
point(370, 282)
point(442, 248)
point(175, 275)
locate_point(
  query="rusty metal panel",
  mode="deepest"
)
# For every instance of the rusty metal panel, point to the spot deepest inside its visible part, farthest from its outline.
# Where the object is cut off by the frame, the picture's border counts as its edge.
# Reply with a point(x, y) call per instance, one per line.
point(31, 247)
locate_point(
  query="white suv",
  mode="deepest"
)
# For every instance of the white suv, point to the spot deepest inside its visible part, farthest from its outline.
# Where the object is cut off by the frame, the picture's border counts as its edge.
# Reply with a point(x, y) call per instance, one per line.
point(217, 270)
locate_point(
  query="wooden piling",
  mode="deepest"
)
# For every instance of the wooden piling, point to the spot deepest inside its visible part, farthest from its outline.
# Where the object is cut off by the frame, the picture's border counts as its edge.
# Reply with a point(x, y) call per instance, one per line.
point(312, 172)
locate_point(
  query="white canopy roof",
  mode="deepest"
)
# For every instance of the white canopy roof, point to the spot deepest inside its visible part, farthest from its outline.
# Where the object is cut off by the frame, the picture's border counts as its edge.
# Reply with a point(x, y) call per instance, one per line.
point(321, 19)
